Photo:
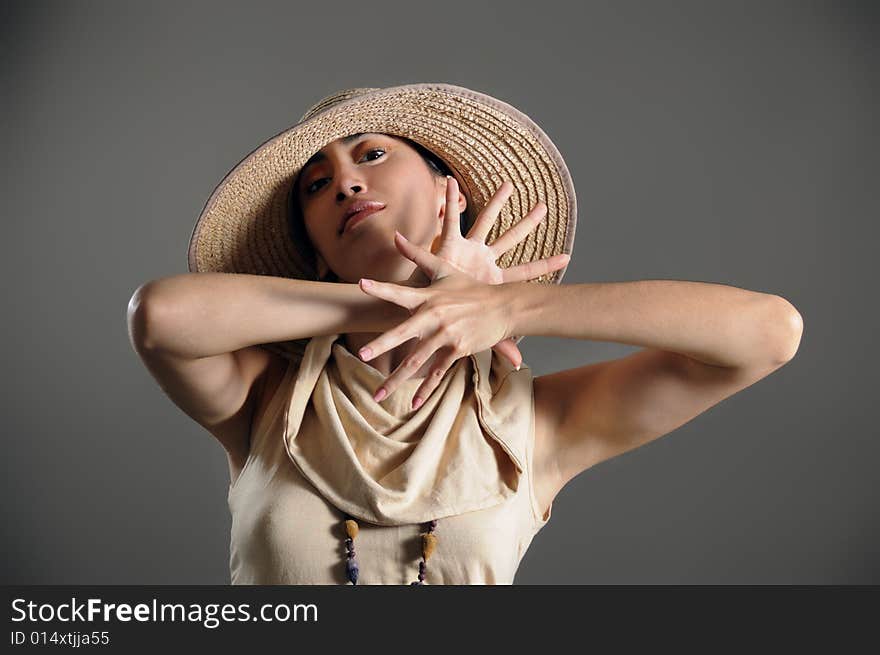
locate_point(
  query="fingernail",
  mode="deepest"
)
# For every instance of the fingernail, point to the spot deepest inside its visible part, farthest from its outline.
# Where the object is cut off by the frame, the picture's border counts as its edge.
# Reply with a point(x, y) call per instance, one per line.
point(366, 282)
point(365, 353)
point(417, 402)
point(517, 366)
point(380, 394)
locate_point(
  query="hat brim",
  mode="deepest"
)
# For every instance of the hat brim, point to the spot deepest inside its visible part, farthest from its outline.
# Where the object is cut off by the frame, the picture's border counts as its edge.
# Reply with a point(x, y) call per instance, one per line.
point(243, 227)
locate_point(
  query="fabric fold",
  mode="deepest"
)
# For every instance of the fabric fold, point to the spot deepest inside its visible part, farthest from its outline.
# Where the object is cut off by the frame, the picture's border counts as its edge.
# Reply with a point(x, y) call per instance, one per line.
point(463, 450)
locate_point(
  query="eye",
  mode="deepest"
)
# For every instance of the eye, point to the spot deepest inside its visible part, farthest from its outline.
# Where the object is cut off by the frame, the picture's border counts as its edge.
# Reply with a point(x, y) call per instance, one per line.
point(310, 189)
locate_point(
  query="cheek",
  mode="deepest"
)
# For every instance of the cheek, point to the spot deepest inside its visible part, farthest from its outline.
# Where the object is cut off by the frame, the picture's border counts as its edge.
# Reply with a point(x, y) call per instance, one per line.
point(418, 216)
point(319, 223)
point(419, 226)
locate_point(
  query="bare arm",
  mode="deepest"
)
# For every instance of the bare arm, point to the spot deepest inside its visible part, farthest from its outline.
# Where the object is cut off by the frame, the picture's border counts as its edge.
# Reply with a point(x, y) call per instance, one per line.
point(702, 343)
point(715, 324)
point(197, 315)
point(197, 335)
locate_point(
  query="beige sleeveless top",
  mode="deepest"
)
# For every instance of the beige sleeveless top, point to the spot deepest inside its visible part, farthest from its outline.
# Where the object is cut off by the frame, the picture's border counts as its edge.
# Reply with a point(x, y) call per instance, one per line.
point(324, 448)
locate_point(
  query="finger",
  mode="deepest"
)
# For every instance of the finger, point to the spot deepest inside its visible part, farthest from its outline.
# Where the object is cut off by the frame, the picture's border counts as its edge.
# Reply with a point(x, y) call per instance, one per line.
point(409, 366)
point(409, 329)
point(438, 371)
point(408, 297)
point(532, 270)
point(518, 231)
point(451, 228)
point(427, 261)
point(510, 350)
point(489, 214)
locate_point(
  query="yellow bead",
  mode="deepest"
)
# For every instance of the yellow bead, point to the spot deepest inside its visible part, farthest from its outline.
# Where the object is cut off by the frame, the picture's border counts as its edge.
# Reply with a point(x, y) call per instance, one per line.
point(429, 544)
point(351, 527)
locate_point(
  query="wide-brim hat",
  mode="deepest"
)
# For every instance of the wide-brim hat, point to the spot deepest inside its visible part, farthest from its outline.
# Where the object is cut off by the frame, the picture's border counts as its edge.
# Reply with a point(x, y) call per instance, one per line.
point(244, 226)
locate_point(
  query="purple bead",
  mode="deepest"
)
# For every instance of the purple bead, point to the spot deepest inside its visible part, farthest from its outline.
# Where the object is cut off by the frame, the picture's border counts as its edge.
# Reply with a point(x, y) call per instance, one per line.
point(351, 569)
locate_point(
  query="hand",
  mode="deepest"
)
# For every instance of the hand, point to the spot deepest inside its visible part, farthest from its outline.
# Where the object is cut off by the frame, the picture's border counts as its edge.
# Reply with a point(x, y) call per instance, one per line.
point(472, 256)
point(456, 314)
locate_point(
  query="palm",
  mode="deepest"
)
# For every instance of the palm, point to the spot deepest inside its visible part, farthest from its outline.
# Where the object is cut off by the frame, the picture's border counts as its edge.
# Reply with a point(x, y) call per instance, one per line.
point(471, 257)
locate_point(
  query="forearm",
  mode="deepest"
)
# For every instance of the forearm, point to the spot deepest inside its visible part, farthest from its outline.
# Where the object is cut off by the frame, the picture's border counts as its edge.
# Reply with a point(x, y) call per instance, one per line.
point(713, 323)
point(202, 314)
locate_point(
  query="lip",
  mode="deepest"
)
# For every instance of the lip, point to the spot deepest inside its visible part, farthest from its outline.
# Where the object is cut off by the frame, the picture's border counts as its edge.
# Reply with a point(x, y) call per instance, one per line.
point(359, 216)
point(355, 206)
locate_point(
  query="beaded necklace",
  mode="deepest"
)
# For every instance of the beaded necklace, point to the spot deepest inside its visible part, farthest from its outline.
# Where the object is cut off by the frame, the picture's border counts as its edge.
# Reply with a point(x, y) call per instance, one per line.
point(429, 543)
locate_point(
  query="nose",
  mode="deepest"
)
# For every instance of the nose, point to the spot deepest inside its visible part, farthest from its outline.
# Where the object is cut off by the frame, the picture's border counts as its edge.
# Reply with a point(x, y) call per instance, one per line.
point(349, 181)
point(342, 194)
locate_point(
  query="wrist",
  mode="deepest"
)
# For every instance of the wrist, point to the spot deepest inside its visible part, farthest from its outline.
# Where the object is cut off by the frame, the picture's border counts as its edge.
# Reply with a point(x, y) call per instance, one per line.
point(366, 313)
point(524, 301)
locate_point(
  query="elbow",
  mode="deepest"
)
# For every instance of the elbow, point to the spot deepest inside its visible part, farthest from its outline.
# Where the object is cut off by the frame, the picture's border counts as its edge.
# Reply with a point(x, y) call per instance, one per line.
point(786, 325)
point(141, 318)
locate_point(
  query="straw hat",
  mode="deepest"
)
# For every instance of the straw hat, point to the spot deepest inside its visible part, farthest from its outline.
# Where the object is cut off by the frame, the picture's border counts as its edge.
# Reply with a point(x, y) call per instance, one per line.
point(244, 226)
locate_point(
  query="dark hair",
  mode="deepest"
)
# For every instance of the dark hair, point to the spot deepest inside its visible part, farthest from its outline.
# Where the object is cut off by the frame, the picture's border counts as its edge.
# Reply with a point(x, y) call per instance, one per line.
point(296, 225)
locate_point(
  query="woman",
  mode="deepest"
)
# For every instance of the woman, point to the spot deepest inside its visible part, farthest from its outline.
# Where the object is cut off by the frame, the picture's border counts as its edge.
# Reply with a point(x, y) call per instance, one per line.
point(458, 462)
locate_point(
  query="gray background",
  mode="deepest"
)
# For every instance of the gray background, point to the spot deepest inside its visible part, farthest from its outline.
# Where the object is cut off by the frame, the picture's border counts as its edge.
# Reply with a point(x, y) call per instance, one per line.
point(716, 142)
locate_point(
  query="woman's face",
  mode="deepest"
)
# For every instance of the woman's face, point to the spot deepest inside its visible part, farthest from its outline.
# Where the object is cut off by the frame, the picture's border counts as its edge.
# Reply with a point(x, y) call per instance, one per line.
point(375, 167)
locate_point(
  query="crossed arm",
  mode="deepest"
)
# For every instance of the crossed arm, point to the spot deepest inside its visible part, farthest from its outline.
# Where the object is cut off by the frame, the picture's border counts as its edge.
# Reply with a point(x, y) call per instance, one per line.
point(701, 343)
